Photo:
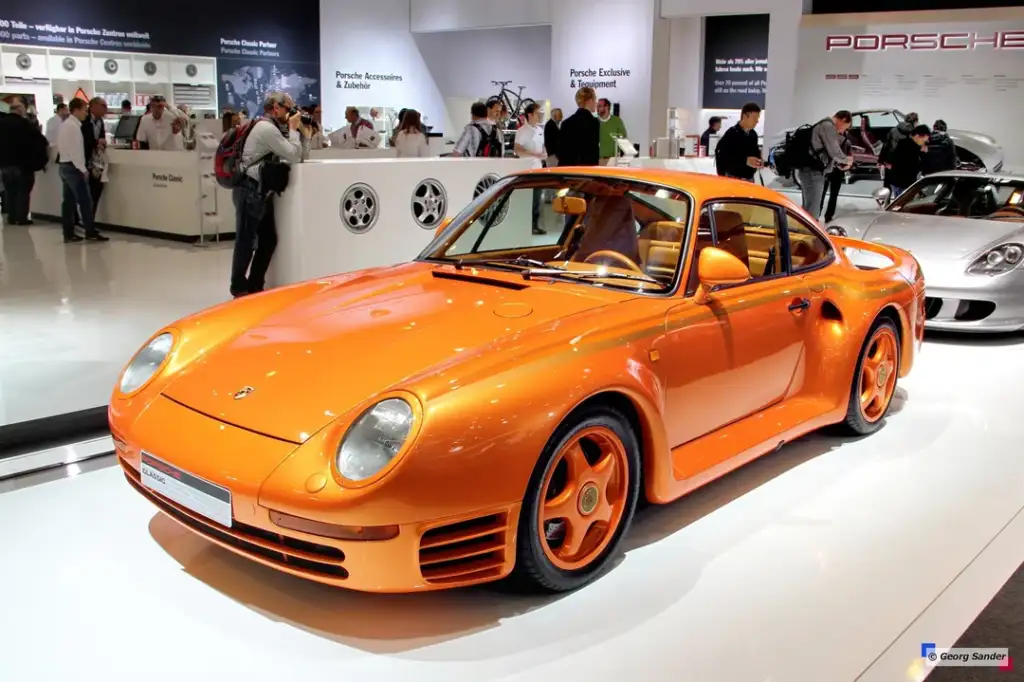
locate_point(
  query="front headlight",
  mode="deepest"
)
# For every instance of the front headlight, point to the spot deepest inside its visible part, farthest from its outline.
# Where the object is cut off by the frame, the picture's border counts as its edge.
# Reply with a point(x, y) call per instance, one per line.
point(1002, 258)
point(375, 439)
point(146, 363)
point(835, 231)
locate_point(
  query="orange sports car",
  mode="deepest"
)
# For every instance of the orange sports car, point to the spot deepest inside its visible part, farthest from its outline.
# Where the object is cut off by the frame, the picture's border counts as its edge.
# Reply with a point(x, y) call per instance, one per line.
point(573, 341)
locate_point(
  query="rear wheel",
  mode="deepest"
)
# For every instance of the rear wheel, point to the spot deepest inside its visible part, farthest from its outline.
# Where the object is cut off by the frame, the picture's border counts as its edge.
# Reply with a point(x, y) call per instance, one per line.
point(874, 381)
point(580, 502)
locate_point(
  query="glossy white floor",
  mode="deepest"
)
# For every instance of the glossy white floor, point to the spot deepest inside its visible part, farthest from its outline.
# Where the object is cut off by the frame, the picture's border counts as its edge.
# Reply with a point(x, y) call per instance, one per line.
point(72, 314)
point(829, 560)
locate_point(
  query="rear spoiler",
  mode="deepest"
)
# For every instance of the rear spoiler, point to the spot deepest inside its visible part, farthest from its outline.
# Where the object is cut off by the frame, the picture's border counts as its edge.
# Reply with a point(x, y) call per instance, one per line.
point(903, 261)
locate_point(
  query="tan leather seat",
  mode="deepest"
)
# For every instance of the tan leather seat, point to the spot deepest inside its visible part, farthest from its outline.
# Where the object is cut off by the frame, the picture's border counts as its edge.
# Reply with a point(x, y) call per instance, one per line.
point(732, 236)
point(663, 233)
point(662, 261)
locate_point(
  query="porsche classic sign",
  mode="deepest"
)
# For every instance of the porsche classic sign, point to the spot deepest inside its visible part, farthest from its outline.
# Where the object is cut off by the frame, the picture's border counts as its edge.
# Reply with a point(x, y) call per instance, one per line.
point(963, 40)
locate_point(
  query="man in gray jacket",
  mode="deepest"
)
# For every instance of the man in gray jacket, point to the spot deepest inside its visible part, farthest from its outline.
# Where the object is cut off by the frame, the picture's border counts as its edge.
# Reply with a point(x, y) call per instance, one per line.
point(826, 155)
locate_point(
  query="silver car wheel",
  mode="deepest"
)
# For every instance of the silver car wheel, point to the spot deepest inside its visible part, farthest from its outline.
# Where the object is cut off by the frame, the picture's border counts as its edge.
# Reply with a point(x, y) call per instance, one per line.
point(23, 61)
point(482, 186)
point(360, 208)
point(429, 204)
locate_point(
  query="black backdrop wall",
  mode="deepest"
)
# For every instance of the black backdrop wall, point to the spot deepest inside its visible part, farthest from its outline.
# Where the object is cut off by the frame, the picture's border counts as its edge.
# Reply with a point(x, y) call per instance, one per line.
point(847, 7)
point(259, 44)
point(735, 60)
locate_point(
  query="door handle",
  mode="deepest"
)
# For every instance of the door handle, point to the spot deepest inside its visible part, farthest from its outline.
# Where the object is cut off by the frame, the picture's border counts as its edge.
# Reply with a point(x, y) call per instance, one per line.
point(802, 304)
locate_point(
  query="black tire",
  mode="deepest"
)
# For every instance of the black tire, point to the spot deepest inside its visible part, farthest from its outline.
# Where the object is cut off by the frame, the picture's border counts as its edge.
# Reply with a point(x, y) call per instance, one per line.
point(855, 423)
point(534, 571)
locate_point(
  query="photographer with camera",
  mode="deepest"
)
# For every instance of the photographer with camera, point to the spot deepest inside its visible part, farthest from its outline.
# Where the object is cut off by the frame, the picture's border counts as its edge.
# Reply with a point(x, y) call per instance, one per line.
point(271, 144)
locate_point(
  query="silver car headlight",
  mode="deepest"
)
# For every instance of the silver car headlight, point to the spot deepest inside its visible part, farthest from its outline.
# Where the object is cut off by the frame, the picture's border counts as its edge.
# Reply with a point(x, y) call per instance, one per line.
point(146, 363)
point(1002, 258)
point(375, 439)
point(835, 231)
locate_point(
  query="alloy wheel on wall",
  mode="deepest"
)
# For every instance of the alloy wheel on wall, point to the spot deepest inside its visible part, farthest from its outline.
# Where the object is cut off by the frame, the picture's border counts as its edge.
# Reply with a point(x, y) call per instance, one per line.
point(482, 186)
point(110, 66)
point(429, 203)
point(359, 208)
point(23, 61)
point(149, 68)
point(191, 70)
point(68, 64)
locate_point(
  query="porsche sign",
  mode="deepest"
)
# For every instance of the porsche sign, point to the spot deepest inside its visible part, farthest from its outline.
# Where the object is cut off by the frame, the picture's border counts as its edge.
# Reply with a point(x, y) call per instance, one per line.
point(965, 40)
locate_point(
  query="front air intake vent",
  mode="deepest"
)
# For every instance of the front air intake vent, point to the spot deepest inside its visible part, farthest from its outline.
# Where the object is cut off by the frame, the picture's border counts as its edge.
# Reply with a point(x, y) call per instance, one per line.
point(465, 552)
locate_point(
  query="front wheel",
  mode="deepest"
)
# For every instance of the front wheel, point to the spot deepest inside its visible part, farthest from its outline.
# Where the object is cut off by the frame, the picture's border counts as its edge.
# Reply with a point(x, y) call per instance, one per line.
point(580, 501)
point(874, 381)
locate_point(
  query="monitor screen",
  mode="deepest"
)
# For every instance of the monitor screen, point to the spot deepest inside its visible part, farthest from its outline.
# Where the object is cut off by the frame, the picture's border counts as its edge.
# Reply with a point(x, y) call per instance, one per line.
point(126, 128)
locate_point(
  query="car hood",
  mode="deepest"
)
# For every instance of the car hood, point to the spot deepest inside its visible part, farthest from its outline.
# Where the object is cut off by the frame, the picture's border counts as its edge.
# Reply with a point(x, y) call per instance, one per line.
point(936, 238)
point(326, 354)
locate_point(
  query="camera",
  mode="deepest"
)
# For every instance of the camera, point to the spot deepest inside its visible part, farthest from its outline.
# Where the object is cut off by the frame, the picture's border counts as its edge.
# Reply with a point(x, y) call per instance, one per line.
point(303, 116)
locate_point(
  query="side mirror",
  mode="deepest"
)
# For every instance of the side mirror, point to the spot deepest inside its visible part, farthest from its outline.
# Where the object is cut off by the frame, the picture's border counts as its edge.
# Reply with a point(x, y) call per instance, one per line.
point(716, 268)
point(442, 227)
point(882, 196)
point(569, 205)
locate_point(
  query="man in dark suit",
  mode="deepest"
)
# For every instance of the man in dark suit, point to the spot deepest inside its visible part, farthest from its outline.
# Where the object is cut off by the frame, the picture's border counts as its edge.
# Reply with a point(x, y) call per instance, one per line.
point(94, 134)
point(580, 139)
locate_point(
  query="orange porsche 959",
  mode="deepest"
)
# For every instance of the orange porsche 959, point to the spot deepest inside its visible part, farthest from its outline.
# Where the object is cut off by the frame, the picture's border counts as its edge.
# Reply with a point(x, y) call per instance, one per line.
point(498, 407)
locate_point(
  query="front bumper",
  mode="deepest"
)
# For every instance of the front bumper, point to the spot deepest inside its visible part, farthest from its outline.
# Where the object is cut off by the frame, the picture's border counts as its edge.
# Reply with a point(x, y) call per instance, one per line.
point(955, 301)
point(434, 553)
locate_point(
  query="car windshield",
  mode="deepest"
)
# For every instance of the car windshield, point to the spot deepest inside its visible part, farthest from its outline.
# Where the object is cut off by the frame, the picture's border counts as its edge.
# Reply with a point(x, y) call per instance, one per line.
point(963, 196)
point(601, 231)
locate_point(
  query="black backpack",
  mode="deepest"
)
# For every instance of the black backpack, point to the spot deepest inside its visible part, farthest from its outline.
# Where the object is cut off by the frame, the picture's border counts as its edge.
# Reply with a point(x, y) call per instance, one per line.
point(489, 145)
point(797, 153)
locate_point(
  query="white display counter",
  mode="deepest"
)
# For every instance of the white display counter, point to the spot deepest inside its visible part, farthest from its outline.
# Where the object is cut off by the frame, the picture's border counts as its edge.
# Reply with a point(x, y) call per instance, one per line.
point(324, 227)
point(364, 154)
point(164, 194)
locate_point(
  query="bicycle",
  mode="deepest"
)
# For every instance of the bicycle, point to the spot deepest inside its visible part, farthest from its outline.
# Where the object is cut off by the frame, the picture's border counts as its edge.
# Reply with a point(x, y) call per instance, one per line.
point(515, 106)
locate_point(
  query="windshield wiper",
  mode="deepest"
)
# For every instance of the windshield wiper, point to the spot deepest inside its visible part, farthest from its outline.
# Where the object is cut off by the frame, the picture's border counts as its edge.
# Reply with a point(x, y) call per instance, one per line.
point(524, 261)
point(541, 272)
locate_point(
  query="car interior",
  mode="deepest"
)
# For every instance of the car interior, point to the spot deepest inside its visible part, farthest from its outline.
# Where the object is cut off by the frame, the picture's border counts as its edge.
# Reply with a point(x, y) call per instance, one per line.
point(628, 231)
point(965, 198)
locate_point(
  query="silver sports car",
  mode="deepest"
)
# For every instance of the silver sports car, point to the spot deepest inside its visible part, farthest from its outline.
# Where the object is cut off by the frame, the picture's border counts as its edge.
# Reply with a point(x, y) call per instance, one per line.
point(967, 231)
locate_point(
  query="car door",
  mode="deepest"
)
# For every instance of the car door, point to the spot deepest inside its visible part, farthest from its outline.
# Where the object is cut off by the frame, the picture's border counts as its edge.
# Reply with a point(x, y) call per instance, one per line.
point(737, 354)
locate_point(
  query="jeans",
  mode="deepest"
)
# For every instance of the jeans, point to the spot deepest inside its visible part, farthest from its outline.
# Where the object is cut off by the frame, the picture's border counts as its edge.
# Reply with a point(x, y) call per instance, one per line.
point(812, 188)
point(538, 197)
point(833, 182)
point(76, 200)
point(18, 185)
point(95, 191)
point(255, 239)
point(895, 191)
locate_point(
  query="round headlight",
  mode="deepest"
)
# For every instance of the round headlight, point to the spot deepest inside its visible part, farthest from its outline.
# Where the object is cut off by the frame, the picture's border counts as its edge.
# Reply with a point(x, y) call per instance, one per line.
point(836, 231)
point(146, 363)
point(994, 257)
point(375, 439)
point(1013, 253)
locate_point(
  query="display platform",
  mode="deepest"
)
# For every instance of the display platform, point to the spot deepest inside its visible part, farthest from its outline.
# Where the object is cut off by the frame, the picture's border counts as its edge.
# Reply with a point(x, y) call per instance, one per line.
point(342, 215)
point(170, 195)
point(828, 560)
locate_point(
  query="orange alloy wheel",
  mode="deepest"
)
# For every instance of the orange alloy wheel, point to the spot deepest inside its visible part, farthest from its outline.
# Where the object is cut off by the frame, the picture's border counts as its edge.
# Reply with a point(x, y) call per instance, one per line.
point(585, 494)
point(878, 373)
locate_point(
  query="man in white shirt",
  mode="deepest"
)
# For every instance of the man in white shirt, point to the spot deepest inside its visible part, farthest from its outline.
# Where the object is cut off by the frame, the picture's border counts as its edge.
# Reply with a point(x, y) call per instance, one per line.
point(53, 125)
point(529, 144)
point(74, 175)
point(358, 134)
point(274, 137)
point(160, 130)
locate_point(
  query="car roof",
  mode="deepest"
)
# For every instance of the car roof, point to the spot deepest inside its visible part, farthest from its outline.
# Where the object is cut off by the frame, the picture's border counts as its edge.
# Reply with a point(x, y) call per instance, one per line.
point(1006, 177)
point(702, 186)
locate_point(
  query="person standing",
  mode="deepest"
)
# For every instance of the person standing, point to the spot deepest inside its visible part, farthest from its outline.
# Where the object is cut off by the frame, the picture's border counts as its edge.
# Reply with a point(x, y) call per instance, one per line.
point(273, 139)
point(612, 128)
point(825, 154)
point(941, 154)
point(410, 142)
point(23, 151)
point(834, 182)
point(74, 175)
point(905, 161)
point(94, 139)
point(580, 134)
point(479, 137)
point(529, 144)
point(53, 125)
point(738, 154)
point(714, 125)
point(358, 134)
point(552, 134)
point(158, 129)
point(900, 132)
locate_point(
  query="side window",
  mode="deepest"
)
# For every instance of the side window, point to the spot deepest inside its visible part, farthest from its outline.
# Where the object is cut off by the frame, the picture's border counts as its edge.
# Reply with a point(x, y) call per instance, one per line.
point(806, 248)
point(752, 233)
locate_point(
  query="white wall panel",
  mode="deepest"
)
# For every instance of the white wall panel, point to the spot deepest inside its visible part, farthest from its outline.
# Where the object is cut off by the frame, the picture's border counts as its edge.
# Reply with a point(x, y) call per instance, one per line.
point(459, 15)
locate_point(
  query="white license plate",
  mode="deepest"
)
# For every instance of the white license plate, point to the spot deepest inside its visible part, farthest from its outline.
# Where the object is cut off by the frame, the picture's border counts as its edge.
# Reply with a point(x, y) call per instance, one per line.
point(202, 497)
